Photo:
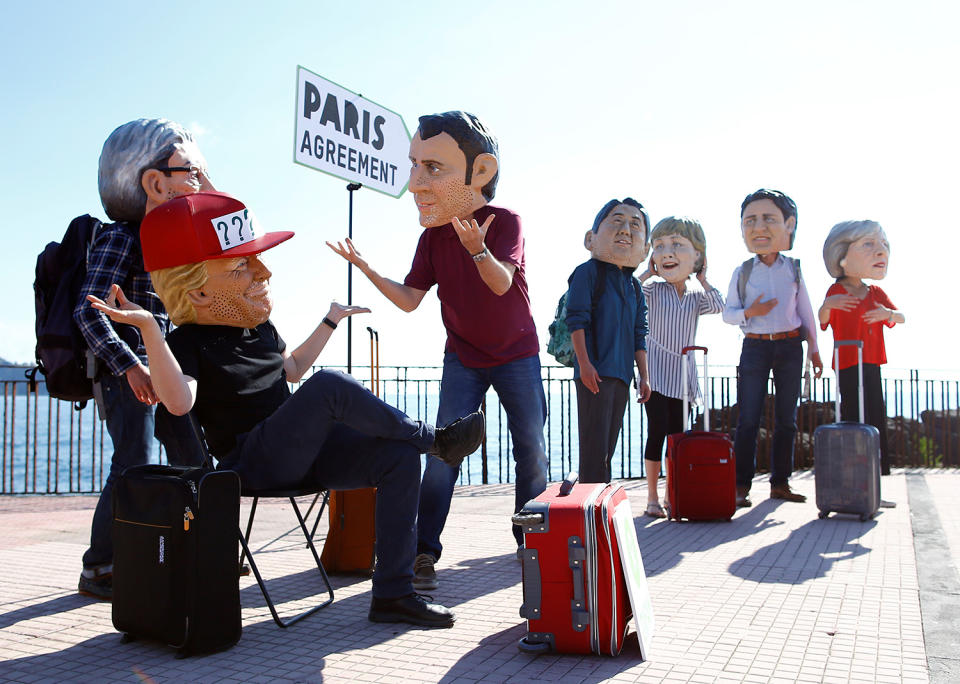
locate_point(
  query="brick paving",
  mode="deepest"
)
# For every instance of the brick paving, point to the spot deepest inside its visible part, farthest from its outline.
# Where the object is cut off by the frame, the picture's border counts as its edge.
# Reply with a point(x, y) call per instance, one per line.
point(776, 595)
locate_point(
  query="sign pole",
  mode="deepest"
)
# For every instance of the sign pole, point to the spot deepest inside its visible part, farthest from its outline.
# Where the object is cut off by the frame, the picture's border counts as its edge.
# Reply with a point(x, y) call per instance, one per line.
point(351, 187)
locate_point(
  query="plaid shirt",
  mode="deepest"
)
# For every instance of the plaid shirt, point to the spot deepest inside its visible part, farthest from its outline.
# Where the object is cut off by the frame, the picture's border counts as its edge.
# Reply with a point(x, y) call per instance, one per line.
point(115, 257)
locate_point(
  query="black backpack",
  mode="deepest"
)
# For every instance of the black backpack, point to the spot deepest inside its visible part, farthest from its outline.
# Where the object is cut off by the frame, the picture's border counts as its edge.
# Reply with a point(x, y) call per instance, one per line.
point(61, 350)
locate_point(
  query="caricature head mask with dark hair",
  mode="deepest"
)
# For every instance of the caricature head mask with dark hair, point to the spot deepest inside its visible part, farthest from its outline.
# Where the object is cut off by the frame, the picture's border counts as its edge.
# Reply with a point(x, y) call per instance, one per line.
point(454, 167)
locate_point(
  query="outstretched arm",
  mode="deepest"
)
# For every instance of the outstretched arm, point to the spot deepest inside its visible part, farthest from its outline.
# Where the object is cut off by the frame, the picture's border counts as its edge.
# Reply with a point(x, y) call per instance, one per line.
point(298, 362)
point(176, 390)
point(405, 297)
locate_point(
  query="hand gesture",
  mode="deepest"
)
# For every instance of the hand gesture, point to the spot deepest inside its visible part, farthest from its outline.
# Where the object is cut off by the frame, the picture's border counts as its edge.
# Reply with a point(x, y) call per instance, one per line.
point(879, 315)
point(338, 311)
point(120, 309)
point(759, 308)
point(471, 233)
point(843, 302)
point(349, 253)
point(590, 377)
point(702, 274)
point(650, 272)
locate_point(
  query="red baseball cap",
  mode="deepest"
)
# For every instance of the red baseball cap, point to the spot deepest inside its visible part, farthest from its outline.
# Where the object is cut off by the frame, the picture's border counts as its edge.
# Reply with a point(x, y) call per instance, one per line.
point(202, 226)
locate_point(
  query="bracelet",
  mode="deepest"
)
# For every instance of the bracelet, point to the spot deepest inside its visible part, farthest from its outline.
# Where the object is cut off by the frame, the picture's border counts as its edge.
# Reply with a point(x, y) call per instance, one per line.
point(333, 326)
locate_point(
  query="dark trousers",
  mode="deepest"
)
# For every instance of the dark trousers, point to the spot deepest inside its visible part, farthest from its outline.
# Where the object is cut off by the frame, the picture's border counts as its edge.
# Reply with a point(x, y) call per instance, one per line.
point(874, 408)
point(130, 424)
point(664, 417)
point(757, 358)
point(335, 433)
point(600, 417)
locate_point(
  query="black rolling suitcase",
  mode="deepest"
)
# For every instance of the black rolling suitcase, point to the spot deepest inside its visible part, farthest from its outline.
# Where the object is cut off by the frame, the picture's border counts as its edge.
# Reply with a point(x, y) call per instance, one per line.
point(846, 458)
point(175, 557)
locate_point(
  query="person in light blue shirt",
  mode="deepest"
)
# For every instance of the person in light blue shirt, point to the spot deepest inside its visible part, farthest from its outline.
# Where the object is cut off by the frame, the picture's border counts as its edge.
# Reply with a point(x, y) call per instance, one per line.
point(768, 299)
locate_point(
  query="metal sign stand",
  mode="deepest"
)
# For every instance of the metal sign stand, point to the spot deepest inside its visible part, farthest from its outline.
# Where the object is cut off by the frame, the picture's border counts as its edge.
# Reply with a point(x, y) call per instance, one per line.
point(351, 187)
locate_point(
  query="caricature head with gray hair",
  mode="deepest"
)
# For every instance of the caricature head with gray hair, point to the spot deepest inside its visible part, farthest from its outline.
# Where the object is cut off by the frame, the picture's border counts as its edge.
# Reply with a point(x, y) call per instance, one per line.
point(146, 162)
point(857, 249)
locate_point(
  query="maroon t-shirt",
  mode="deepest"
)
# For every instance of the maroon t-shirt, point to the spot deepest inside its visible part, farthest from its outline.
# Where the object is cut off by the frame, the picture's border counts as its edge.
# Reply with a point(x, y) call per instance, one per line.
point(482, 328)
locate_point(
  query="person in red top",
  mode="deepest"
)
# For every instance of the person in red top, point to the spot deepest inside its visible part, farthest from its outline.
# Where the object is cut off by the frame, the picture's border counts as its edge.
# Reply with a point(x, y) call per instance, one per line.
point(474, 254)
point(853, 251)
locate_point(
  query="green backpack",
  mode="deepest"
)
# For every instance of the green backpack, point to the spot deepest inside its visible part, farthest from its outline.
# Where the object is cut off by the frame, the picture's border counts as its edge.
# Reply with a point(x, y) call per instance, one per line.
point(560, 346)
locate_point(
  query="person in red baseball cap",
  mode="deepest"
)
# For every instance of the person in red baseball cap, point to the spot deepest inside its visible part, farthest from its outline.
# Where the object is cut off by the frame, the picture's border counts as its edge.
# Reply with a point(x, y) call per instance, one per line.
point(227, 363)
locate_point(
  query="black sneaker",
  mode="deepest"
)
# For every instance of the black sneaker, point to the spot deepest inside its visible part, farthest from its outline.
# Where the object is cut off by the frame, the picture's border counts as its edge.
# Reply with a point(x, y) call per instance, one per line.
point(459, 439)
point(99, 586)
point(413, 609)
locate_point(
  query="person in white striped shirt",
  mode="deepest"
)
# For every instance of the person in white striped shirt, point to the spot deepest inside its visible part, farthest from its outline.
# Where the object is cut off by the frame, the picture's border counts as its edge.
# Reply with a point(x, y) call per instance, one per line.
point(678, 249)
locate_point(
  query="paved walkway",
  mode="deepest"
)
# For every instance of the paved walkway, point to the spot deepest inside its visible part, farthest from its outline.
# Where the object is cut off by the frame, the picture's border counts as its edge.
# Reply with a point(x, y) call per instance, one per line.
point(774, 596)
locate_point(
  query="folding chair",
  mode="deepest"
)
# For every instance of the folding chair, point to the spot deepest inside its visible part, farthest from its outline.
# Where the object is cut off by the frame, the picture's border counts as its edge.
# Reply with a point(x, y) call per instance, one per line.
point(291, 495)
point(184, 442)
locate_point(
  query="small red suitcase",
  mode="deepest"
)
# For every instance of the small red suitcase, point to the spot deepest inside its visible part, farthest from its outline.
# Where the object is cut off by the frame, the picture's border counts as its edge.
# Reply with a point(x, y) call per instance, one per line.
point(701, 466)
point(575, 596)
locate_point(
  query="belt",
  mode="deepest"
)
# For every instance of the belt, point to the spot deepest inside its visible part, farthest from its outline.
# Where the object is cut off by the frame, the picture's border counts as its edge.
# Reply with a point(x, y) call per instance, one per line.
point(773, 336)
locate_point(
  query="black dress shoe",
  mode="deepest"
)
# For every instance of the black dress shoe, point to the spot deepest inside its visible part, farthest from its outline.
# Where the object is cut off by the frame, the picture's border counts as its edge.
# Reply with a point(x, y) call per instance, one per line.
point(459, 439)
point(411, 608)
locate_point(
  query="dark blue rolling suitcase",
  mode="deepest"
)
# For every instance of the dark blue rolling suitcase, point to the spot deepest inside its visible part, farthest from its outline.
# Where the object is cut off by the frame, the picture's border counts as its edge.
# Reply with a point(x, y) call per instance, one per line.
point(847, 458)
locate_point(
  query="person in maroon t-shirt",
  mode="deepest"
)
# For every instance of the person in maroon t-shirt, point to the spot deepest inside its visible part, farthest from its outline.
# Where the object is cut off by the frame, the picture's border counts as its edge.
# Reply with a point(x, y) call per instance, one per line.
point(473, 253)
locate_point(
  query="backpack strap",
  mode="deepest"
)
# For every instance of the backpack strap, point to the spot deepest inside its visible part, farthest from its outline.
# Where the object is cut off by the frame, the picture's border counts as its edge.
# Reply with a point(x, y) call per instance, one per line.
point(747, 267)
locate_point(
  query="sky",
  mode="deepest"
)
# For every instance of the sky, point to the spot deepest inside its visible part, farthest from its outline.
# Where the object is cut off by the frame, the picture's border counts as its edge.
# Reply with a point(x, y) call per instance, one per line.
point(849, 107)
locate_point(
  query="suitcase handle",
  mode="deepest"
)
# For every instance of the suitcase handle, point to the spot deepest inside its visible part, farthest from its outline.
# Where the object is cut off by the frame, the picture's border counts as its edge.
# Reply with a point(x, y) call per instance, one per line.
point(836, 368)
point(523, 518)
point(567, 485)
point(706, 378)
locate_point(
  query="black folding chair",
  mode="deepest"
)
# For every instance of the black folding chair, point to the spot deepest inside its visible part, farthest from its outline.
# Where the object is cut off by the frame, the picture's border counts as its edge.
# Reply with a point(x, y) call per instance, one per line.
point(291, 495)
point(183, 440)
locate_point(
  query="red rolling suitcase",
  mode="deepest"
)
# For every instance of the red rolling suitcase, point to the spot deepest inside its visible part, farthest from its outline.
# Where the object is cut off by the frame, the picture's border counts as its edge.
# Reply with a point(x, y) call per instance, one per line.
point(701, 466)
point(575, 597)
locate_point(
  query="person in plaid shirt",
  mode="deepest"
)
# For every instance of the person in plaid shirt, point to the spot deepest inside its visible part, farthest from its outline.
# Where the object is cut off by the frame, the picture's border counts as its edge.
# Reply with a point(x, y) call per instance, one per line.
point(143, 164)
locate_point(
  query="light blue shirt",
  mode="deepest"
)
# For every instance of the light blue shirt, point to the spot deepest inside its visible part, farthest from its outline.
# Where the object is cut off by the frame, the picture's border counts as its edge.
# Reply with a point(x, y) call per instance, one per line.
point(793, 308)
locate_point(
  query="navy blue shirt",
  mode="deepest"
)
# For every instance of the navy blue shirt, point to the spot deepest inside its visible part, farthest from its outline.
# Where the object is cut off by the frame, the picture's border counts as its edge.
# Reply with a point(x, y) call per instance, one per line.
point(617, 327)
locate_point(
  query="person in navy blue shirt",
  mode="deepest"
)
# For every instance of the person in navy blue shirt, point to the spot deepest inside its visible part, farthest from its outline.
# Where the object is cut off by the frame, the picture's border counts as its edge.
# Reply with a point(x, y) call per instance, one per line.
point(607, 319)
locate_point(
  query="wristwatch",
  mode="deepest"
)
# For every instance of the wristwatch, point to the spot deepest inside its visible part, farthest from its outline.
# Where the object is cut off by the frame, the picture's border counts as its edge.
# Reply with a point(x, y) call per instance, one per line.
point(481, 256)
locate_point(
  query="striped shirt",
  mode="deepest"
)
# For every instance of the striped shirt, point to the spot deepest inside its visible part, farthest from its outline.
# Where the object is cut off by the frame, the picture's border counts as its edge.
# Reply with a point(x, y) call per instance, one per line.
point(673, 326)
point(115, 257)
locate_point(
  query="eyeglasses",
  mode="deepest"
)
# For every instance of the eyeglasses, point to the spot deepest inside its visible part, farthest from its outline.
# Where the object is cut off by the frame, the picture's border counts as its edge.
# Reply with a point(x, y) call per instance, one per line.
point(196, 173)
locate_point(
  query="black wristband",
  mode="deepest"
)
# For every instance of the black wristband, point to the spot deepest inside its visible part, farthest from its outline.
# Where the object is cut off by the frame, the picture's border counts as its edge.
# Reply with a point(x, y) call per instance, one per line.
point(333, 326)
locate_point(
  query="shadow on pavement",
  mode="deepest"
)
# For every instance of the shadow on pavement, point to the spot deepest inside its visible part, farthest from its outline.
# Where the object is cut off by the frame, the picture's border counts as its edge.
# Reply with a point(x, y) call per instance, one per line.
point(807, 553)
point(664, 543)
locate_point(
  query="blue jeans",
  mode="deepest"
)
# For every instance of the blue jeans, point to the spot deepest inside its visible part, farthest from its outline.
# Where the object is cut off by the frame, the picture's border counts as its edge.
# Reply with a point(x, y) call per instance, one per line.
point(130, 424)
point(335, 433)
point(757, 359)
point(462, 389)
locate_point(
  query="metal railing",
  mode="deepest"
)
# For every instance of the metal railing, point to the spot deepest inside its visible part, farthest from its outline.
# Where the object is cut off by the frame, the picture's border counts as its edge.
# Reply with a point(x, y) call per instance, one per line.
point(48, 447)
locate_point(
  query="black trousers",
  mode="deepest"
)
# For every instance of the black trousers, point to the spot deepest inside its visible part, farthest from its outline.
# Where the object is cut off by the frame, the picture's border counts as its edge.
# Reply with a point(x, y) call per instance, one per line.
point(664, 417)
point(600, 417)
point(874, 408)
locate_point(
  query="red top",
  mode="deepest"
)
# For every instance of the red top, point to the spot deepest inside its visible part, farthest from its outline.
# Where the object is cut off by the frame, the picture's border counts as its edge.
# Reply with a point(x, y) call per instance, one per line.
point(482, 328)
point(849, 325)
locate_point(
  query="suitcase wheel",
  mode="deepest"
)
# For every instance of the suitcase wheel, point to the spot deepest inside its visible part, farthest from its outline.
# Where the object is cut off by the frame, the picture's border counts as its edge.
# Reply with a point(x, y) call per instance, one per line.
point(823, 514)
point(533, 647)
point(127, 637)
point(864, 517)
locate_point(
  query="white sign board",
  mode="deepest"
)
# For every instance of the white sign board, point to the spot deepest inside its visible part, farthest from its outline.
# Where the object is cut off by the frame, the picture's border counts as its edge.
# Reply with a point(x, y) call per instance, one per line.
point(343, 134)
point(636, 577)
